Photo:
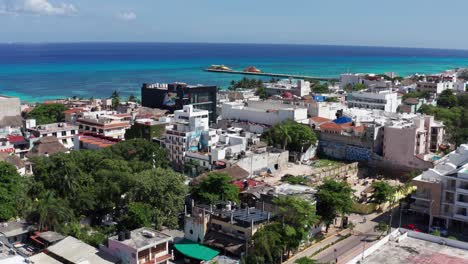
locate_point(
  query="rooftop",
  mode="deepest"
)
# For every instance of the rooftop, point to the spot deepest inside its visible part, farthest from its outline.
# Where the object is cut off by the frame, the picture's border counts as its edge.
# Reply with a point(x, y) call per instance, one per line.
point(10, 229)
point(76, 251)
point(43, 258)
point(54, 127)
point(143, 238)
point(51, 236)
point(413, 250)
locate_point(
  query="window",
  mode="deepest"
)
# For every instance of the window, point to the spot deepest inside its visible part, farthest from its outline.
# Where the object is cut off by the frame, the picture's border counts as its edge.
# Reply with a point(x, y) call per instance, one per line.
point(64, 141)
point(54, 134)
point(64, 133)
point(73, 132)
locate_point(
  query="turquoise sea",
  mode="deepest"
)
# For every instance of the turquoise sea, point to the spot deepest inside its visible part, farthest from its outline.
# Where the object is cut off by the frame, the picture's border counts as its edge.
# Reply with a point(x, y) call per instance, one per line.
point(36, 72)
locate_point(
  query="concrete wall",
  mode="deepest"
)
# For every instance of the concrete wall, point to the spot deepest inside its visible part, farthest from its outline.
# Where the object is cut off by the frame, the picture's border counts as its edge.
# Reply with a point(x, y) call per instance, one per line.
point(9, 106)
point(122, 251)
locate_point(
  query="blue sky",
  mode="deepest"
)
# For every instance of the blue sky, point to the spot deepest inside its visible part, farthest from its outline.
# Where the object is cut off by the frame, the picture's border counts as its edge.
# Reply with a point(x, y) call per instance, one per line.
point(405, 23)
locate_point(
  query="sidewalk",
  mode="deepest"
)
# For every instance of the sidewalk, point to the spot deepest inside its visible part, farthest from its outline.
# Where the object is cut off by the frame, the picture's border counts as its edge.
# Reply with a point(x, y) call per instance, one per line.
point(331, 238)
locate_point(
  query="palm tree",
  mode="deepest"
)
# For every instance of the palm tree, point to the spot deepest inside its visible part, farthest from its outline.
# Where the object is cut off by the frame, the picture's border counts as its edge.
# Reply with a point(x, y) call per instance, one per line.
point(51, 212)
point(283, 135)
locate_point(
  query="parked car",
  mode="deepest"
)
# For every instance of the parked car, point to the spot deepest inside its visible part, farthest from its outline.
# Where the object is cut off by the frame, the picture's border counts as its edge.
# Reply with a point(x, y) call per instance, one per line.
point(442, 231)
point(412, 227)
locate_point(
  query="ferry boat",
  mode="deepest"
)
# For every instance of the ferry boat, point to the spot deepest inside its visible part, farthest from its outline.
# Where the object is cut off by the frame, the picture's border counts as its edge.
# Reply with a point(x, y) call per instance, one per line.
point(220, 68)
point(252, 69)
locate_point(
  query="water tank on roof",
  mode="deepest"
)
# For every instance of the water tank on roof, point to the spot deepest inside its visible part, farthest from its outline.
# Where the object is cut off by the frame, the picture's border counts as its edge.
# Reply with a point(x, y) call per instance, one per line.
point(128, 234)
point(121, 236)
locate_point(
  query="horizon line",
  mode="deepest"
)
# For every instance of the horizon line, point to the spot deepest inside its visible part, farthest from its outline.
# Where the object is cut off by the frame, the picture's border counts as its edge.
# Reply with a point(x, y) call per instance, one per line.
point(223, 43)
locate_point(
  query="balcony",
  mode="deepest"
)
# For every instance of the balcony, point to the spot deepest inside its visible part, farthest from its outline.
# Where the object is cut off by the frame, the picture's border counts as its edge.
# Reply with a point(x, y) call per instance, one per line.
point(462, 190)
point(159, 259)
point(419, 208)
point(461, 217)
point(462, 203)
point(425, 196)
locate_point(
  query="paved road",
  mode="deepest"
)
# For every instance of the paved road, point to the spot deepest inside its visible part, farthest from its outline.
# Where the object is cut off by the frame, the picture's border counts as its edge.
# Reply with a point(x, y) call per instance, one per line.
point(346, 249)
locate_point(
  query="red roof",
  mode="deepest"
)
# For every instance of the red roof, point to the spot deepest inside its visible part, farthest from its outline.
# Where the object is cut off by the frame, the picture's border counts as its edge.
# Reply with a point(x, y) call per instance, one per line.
point(73, 110)
point(15, 139)
point(251, 183)
point(318, 119)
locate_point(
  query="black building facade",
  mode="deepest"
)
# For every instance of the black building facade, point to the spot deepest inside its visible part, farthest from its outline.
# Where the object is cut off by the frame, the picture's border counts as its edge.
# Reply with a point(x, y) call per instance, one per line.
point(175, 95)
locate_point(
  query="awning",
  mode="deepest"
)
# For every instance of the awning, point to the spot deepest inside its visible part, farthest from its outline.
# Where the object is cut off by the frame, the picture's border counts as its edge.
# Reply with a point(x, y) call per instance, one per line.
point(195, 250)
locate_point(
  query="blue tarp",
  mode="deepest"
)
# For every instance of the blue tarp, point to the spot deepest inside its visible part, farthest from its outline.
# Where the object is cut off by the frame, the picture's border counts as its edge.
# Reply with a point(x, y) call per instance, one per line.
point(342, 120)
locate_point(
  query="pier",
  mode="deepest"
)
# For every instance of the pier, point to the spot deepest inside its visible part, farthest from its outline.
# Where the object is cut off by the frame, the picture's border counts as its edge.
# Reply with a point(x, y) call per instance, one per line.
point(280, 75)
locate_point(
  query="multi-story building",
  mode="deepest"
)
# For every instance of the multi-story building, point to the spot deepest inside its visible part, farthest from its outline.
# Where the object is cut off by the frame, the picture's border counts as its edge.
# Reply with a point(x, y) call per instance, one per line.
point(385, 100)
point(64, 132)
point(176, 95)
point(148, 129)
point(442, 192)
point(263, 112)
point(325, 109)
point(228, 229)
point(432, 87)
point(369, 80)
point(140, 246)
point(104, 123)
point(296, 87)
point(405, 141)
point(461, 85)
point(9, 106)
point(186, 134)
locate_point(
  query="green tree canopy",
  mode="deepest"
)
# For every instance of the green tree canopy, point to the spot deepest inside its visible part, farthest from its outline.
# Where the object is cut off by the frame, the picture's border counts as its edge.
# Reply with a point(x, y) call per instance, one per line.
point(115, 98)
point(47, 113)
point(290, 135)
point(97, 183)
point(138, 215)
point(383, 192)
point(164, 190)
point(447, 99)
point(267, 245)
point(297, 217)
point(216, 187)
point(333, 198)
point(51, 212)
point(10, 190)
point(320, 88)
point(245, 83)
point(305, 260)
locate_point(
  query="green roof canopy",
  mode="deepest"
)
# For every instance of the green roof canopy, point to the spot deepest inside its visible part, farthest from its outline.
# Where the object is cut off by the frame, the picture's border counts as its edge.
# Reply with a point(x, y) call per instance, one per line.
point(195, 250)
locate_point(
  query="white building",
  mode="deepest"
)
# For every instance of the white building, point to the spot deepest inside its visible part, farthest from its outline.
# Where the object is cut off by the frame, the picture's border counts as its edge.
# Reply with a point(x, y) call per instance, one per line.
point(9, 106)
point(295, 87)
point(104, 123)
point(385, 100)
point(325, 109)
point(460, 86)
point(186, 134)
point(64, 132)
point(433, 87)
point(442, 192)
point(265, 113)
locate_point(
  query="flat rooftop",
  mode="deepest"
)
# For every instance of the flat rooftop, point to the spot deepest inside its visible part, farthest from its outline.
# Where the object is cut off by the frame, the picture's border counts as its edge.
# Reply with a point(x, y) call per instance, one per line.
point(412, 250)
point(141, 241)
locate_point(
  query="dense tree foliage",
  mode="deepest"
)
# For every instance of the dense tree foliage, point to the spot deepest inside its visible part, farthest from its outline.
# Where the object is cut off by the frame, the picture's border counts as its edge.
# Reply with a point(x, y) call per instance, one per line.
point(121, 181)
point(320, 88)
point(47, 113)
point(455, 117)
point(296, 217)
point(216, 187)
point(115, 99)
point(354, 88)
point(333, 198)
point(11, 189)
point(290, 135)
point(422, 94)
point(305, 260)
point(447, 99)
point(245, 83)
point(383, 192)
